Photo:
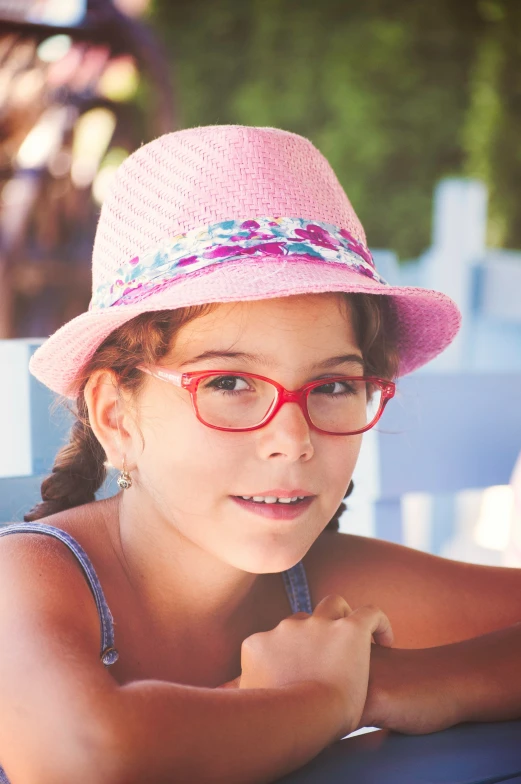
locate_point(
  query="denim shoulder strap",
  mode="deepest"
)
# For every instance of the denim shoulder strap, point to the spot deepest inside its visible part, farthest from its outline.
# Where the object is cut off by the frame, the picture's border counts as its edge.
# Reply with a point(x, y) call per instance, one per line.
point(109, 654)
point(296, 584)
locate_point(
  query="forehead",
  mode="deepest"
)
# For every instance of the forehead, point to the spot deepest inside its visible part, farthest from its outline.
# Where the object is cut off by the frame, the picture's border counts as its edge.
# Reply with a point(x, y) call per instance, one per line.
point(318, 323)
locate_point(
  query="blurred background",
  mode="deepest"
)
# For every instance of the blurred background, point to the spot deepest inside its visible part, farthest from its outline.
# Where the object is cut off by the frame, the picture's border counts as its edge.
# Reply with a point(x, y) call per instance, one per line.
point(416, 105)
point(397, 95)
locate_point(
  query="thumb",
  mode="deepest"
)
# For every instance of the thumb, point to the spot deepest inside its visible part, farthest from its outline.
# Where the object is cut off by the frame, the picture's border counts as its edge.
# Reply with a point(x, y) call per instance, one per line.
point(332, 607)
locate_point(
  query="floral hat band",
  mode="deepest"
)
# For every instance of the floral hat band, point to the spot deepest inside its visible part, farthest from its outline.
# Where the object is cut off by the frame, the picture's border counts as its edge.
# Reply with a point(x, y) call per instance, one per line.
point(232, 240)
point(184, 205)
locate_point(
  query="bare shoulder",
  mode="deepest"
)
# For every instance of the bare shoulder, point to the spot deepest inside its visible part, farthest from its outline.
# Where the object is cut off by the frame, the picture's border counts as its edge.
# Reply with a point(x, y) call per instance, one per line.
point(88, 525)
point(429, 600)
point(38, 571)
point(42, 580)
point(49, 657)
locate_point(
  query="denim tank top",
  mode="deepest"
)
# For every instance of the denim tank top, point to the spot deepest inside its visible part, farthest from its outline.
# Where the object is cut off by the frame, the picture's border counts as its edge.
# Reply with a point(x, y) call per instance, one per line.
point(295, 583)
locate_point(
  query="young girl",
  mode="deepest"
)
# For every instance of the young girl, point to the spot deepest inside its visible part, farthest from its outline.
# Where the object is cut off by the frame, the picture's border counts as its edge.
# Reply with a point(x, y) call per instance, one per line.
point(238, 344)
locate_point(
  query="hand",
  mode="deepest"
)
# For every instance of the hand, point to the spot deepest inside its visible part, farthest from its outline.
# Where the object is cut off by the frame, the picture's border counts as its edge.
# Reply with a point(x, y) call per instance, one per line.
point(235, 684)
point(332, 646)
point(404, 696)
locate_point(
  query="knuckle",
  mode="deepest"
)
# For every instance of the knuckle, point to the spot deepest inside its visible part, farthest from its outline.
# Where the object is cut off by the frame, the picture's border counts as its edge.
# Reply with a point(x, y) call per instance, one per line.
point(330, 597)
point(252, 642)
point(287, 623)
point(337, 601)
point(372, 608)
point(363, 614)
point(246, 645)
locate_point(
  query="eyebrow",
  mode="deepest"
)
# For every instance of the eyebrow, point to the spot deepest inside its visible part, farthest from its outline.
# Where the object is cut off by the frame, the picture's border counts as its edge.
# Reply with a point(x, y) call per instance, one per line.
point(260, 358)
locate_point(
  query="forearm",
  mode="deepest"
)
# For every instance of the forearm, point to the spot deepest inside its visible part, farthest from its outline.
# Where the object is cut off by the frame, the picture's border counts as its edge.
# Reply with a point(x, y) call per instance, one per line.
point(482, 674)
point(165, 732)
point(429, 689)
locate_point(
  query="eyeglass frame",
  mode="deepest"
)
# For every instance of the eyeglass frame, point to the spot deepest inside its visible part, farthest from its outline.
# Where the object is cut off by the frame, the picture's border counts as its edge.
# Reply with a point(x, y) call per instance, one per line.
point(191, 381)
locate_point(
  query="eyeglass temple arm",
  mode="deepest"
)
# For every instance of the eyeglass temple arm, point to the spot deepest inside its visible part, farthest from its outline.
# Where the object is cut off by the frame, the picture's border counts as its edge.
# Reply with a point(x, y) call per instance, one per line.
point(163, 375)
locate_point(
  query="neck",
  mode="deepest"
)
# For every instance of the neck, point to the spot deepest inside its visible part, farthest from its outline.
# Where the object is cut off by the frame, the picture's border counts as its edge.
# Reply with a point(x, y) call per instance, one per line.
point(177, 582)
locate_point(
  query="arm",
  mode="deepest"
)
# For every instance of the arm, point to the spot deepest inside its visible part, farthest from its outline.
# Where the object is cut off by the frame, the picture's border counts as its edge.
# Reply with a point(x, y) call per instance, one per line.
point(430, 601)
point(456, 626)
point(163, 731)
point(426, 690)
point(63, 717)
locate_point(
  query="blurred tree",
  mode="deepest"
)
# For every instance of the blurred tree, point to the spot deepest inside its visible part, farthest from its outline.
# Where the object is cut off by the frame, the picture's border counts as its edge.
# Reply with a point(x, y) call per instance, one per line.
point(74, 101)
point(396, 94)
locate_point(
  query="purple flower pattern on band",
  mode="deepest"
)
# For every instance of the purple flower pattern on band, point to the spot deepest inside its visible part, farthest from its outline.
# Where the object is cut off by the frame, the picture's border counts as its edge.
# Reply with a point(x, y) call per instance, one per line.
point(231, 240)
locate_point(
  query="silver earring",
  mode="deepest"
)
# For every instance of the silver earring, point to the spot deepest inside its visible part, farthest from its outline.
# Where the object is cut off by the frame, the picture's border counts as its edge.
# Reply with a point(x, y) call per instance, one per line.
point(124, 479)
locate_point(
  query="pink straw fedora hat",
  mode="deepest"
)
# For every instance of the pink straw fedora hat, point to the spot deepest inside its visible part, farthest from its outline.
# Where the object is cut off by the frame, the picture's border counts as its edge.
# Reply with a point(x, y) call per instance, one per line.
point(225, 213)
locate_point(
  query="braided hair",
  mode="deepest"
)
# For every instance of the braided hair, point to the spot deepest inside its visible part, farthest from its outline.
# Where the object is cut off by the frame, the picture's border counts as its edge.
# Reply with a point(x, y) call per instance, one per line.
point(78, 471)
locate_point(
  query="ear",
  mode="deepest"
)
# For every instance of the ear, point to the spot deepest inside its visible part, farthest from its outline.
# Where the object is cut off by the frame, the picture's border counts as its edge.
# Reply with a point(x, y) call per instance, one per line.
point(110, 418)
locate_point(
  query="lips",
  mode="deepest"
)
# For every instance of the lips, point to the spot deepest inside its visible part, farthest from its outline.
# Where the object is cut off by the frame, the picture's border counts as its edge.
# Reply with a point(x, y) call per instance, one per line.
point(275, 511)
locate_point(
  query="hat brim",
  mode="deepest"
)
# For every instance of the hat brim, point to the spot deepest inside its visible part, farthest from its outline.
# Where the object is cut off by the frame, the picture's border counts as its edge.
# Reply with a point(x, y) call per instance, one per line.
point(426, 320)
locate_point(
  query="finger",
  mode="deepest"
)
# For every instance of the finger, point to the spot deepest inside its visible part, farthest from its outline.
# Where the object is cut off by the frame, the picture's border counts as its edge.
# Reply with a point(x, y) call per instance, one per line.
point(332, 607)
point(235, 684)
point(378, 622)
point(299, 616)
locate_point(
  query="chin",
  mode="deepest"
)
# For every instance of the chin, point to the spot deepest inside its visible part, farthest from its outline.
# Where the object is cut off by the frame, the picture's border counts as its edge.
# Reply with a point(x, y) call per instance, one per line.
point(270, 560)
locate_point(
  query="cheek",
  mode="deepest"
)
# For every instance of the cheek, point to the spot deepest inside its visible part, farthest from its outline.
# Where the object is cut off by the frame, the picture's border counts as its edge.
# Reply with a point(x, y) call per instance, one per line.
point(185, 461)
point(353, 450)
point(339, 461)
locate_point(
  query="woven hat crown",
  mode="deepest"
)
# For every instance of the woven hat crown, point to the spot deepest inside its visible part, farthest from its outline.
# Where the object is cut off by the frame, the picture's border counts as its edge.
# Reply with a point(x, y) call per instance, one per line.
point(203, 175)
point(230, 213)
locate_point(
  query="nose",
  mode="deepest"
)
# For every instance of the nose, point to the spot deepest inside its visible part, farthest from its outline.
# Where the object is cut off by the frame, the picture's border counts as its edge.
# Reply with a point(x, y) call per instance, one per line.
point(288, 435)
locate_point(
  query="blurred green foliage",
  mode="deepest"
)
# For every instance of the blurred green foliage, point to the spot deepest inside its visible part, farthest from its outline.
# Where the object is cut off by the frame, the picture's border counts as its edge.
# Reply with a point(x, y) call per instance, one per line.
point(395, 93)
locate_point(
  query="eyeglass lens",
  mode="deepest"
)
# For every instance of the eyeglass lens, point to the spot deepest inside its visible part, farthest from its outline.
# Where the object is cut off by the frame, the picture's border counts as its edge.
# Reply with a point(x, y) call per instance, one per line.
point(232, 401)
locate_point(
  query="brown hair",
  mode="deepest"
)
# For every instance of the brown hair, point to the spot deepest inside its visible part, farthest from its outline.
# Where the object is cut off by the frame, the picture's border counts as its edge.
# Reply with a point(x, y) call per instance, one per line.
point(79, 468)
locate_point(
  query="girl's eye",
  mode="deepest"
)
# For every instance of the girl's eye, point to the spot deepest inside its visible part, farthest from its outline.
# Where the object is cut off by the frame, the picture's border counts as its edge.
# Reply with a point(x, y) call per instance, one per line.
point(228, 384)
point(336, 388)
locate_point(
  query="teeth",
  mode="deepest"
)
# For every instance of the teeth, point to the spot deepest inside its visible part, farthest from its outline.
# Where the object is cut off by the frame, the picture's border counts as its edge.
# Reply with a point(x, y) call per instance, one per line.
point(271, 499)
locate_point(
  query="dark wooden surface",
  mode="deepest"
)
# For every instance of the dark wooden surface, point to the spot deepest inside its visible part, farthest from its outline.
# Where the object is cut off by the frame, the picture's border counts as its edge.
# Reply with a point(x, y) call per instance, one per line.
point(466, 754)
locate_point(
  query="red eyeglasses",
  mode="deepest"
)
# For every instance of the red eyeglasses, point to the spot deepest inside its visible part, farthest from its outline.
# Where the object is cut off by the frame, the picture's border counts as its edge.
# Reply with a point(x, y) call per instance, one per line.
point(237, 402)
